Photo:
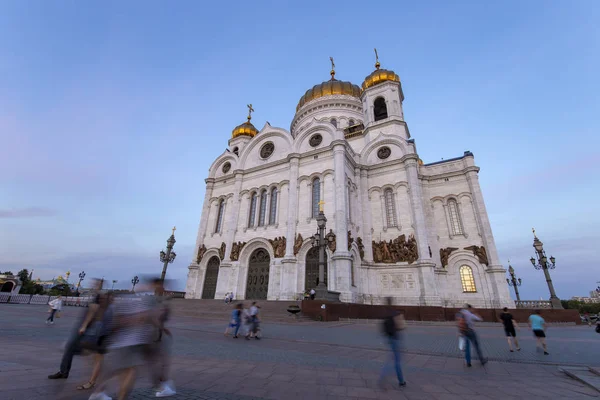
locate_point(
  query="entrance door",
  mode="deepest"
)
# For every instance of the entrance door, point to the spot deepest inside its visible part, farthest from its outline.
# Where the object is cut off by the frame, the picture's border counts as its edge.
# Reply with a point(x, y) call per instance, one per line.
point(311, 274)
point(258, 275)
point(210, 279)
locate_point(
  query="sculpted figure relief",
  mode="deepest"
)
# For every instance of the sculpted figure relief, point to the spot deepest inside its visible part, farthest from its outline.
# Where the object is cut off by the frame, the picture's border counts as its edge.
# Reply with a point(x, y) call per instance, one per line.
point(331, 240)
point(278, 245)
point(361, 247)
point(445, 254)
point(222, 251)
point(298, 243)
point(397, 250)
point(350, 240)
point(236, 248)
point(480, 253)
point(201, 252)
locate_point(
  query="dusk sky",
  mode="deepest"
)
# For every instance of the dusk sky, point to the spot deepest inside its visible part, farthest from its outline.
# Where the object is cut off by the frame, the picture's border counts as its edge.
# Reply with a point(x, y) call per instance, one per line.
point(111, 113)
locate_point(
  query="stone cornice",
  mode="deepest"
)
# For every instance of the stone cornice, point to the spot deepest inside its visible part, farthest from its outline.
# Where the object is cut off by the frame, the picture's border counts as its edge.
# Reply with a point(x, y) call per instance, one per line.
point(386, 122)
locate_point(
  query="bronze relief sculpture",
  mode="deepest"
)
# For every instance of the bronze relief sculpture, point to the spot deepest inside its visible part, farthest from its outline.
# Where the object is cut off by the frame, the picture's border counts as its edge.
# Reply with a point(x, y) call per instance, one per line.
point(278, 245)
point(330, 239)
point(361, 247)
point(350, 240)
point(397, 250)
point(480, 253)
point(201, 252)
point(298, 243)
point(222, 251)
point(445, 254)
point(236, 249)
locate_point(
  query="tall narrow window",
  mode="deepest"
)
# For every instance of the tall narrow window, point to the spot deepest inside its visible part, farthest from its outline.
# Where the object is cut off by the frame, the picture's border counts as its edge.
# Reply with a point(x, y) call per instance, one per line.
point(351, 122)
point(467, 279)
point(316, 197)
point(455, 222)
point(352, 270)
point(273, 208)
point(390, 208)
point(219, 223)
point(252, 213)
point(263, 208)
point(349, 202)
point(380, 109)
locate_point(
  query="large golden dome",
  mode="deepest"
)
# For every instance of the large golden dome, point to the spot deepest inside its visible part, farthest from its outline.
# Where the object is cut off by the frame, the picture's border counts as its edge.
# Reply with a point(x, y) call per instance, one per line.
point(245, 129)
point(329, 88)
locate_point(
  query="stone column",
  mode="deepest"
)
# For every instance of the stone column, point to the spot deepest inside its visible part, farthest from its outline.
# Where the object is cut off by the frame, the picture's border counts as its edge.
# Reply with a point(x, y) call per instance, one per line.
point(367, 223)
point(341, 258)
point(232, 213)
point(292, 212)
point(429, 293)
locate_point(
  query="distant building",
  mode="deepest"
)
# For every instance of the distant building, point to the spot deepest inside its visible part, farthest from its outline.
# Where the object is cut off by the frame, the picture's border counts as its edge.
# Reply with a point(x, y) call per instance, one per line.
point(10, 284)
point(588, 300)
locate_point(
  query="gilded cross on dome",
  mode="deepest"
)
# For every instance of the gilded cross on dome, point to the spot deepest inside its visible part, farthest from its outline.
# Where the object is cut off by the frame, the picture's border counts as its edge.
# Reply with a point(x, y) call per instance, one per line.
point(377, 65)
point(321, 203)
point(332, 68)
point(250, 111)
point(174, 229)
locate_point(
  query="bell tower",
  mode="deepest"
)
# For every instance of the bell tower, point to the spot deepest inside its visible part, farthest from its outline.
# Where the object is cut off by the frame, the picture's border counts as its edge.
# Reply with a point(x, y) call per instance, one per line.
point(382, 98)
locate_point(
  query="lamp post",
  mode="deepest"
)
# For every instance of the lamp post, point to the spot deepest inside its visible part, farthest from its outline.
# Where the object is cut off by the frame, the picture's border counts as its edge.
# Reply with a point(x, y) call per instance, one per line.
point(81, 276)
point(513, 281)
point(320, 242)
point(543, 264)
point(113, 285)
point(169, 256)
point(135, 281)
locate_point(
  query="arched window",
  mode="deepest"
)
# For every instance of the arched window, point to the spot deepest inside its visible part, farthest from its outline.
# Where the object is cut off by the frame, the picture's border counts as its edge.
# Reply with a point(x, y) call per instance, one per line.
point(219, 223)
point(263, 208)
point(333, 122)
point(316, 196)
point(351, 122)
point(273, 208)
point(252, 213)
point(390, 208)
point(455, 222)
point(380, 109)
point(467, 279)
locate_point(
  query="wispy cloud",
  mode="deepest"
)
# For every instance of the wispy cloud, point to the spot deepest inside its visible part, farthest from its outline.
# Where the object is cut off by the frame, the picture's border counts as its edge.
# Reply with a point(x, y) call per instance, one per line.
point(28, 212)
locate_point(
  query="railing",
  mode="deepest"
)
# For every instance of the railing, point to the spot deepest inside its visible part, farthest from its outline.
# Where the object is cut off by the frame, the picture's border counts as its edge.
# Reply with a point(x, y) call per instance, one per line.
point(533, 304)
point(81, 301)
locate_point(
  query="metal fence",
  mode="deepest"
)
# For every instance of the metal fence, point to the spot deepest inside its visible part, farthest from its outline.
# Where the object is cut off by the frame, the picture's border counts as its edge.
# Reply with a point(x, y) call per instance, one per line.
point(82, 301)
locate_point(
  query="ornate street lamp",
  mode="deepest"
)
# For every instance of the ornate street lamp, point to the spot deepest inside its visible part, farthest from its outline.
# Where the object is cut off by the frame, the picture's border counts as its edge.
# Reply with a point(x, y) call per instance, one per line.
point(513, 281)
point(320, 242)
point(135, 281)
point(81, 277)
point(543, 264)
point(168, 257)
point(113, 285)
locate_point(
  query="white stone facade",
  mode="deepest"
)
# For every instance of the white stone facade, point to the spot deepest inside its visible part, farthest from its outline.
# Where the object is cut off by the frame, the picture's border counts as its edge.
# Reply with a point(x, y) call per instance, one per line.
point(439, 204)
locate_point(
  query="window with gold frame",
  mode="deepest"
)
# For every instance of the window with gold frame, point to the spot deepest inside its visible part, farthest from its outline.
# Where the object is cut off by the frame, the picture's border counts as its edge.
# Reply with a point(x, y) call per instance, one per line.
point(467, 279)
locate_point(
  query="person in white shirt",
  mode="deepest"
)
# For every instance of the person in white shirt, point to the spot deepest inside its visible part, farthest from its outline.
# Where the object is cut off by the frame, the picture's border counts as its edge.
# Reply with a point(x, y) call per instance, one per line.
point(312, 294)
point(254, 322)
point(55, 306)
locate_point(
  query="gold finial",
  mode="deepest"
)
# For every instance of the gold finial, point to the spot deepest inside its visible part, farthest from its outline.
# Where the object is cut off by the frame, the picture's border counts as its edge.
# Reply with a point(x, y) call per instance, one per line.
point(174, 229)
point(332, 68)
point(250, 111)
point(377, 65)
point(534, 235)
point(321, 203)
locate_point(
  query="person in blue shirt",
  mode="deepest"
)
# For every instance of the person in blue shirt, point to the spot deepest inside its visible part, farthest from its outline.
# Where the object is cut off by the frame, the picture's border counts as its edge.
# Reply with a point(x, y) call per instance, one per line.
point(538, 325)
point(236, 320)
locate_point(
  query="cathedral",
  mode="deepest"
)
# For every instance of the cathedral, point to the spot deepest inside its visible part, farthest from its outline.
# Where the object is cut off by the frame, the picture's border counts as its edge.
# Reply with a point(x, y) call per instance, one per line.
point(396, 226)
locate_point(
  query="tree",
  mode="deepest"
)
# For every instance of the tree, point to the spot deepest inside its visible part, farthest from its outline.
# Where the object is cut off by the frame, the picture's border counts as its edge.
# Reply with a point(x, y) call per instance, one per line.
point(24, 276)
point(62, 289)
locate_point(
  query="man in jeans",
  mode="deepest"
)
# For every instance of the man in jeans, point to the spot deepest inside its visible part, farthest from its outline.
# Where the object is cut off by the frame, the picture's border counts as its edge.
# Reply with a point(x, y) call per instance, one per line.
point(466, 322)
point(392, 324)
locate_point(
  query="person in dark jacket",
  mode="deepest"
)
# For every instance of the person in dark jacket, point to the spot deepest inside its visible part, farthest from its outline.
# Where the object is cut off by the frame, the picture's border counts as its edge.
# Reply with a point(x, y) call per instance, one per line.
point(393, 323)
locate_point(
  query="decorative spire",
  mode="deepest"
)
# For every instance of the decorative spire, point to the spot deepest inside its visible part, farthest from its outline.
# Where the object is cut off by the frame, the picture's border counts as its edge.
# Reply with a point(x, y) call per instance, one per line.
point(250, 111)
point(377, 64)
point(332, 69)
point(534, 235)
point(174, 229)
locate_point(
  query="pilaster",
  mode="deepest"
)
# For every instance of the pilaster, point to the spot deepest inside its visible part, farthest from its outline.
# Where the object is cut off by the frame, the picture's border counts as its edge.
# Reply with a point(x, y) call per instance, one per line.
point(292, 211)
point(233, 215)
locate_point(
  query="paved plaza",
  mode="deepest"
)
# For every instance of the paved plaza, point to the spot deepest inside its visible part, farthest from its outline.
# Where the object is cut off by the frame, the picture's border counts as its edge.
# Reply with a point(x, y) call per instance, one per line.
point(307, 360)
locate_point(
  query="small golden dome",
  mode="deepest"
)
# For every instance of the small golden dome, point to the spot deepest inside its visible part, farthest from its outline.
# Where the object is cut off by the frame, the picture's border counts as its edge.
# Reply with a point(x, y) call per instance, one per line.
point(379, 76)
point(245, 129)
point(329, 88)
point(420, 162)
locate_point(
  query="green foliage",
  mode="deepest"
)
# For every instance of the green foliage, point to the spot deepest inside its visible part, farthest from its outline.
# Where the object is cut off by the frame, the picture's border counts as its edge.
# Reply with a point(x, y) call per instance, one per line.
point(6, 273)
point(23, 276)
point(63, 289)
point(592, 308)
point(32, 288)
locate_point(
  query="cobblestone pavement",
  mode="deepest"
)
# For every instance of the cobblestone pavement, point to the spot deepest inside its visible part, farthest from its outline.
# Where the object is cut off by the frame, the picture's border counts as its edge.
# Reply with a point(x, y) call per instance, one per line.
point(316, 361)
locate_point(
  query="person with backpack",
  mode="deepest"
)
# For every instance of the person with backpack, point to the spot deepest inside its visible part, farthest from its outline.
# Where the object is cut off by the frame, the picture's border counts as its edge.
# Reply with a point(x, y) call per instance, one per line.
point(393, 323)
point(466, 322)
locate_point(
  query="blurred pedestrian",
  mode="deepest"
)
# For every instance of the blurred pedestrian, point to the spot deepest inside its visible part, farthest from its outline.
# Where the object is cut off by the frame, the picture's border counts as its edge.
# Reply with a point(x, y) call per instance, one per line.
point(538, 326)
point(509, 329)
point(466, 319)
point(55, 307)
point(236, 320)
point(312, 294)
point(161, 352)
point(254, 325)
point(393, 323)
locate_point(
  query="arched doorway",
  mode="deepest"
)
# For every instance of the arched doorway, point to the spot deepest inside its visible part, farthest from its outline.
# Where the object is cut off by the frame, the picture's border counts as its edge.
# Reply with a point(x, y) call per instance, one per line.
point(7, 287)
point(311, 274)
point(210, 279)
point(257, 284)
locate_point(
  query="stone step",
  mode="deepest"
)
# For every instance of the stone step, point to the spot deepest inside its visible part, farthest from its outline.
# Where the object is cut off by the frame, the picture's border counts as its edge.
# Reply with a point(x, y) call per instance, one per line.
point(586, 375)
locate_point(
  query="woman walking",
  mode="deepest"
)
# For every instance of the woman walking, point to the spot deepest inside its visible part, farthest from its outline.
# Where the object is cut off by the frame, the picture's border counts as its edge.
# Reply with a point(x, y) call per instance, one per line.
point(236, 320)
point(55, 306)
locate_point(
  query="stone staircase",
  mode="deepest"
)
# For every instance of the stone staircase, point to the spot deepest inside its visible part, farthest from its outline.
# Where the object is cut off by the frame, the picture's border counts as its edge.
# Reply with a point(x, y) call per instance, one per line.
point(270, 311)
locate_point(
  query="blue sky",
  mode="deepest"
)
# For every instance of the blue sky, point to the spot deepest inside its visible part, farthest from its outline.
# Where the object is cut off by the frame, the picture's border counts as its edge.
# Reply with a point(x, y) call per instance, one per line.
point(111, 113)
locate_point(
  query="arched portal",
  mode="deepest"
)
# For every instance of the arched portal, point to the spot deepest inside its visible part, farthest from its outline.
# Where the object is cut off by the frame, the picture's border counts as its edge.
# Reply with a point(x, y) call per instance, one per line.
point(210, 279)
point(7, 287)
point(257, 284)
point(311, 274)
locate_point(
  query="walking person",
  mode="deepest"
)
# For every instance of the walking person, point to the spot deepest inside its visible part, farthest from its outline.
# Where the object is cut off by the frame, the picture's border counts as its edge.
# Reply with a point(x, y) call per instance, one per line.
point(538, 326)
point(466, 319)
point(254, 322)
point(161, 352)
point(392, 325)
point(509, 329)
point(55, 307)
point(312, 294)
point(236, 320)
